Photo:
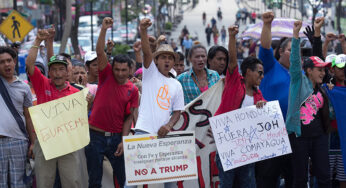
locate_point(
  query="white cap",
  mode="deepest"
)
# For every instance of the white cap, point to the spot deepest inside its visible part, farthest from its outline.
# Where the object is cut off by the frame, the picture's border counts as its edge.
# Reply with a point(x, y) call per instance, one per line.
point(90, 56)
point(339, 61)
point(330, 58)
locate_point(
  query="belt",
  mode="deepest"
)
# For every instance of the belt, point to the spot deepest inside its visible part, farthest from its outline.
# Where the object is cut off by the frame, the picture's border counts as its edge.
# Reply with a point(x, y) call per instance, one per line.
point(104, 133)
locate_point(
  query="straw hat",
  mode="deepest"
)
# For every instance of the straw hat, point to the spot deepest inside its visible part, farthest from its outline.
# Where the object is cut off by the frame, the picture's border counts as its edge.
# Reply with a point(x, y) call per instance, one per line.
point(165, 49)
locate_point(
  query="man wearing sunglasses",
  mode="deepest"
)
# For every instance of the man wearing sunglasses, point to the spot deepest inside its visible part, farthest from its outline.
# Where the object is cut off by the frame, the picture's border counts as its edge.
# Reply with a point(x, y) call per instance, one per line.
point(47, 90)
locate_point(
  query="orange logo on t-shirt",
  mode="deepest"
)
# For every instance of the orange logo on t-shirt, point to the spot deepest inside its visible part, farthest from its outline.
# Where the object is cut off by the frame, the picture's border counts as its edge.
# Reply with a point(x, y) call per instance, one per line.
point(163, 99)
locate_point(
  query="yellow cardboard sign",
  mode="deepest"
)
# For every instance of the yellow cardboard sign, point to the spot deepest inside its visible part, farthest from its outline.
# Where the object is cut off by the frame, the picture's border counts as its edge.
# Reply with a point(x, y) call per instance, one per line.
point(62, 125)
point(15, 27)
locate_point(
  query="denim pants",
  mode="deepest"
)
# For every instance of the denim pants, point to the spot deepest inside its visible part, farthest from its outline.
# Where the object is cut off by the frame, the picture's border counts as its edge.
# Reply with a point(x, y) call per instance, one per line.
point(245, 175)
point(317, 149)
point(99, 147)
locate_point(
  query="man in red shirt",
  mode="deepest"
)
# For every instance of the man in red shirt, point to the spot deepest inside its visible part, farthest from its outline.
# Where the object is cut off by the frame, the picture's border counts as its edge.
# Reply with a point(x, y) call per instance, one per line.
point(47, 90)
point(108, 121)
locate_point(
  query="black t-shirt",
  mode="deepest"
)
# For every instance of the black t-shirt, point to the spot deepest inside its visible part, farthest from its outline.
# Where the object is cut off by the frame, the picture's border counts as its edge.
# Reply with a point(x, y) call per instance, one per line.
point(310, 115)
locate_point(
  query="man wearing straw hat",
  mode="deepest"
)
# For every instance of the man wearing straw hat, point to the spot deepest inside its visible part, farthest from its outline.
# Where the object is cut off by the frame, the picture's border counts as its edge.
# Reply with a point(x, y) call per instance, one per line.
point(161, 93)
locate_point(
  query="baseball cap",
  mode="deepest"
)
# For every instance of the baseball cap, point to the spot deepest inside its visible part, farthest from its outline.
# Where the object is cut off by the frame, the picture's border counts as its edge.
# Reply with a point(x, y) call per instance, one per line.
point(339, 61)
point(57, 59)
point(314, 61)
point(330, 58)
point(90, 56)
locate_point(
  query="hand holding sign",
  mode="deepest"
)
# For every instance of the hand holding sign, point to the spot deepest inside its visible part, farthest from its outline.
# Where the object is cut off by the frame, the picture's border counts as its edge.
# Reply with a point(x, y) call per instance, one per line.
point(250, 134)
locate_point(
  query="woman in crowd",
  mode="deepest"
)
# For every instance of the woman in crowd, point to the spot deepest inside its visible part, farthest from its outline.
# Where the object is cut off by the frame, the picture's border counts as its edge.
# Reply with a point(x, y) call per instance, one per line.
point(308, 116)
point(198, 79)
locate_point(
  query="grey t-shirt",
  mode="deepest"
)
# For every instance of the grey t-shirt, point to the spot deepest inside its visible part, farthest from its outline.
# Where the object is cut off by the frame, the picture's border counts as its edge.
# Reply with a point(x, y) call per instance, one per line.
point(20, 94)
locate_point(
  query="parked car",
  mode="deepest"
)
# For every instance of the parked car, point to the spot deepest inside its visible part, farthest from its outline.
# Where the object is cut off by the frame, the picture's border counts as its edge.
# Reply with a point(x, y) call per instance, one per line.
point(85, 43)
point(117, 37)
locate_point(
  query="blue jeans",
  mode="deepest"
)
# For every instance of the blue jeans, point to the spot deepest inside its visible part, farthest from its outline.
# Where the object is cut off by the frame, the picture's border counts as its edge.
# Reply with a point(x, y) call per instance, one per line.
point(99, 147)
point(245, 175)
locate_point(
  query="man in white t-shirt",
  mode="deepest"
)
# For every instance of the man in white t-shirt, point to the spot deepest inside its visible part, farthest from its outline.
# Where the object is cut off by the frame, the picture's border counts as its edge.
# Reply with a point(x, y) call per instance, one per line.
point(162, 96)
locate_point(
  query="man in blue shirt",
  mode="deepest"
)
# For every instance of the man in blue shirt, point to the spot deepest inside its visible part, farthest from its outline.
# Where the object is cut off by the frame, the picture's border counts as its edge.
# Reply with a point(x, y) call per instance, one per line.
point(187, 44)
point(274, 86)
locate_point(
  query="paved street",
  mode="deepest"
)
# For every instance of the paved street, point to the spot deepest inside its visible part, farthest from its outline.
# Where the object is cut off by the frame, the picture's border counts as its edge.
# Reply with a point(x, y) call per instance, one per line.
point(193, 18)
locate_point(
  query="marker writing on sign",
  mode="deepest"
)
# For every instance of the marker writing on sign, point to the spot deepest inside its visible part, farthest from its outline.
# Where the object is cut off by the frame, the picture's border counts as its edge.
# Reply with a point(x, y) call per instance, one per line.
point(53, 111)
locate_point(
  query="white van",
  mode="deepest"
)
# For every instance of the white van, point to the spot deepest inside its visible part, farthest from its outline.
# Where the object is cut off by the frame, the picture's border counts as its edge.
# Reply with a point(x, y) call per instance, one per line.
point(85, 24)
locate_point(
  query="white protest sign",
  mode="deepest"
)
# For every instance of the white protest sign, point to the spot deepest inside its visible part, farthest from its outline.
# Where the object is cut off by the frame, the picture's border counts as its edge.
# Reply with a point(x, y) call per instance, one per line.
point(150, 159)
point(248, 135)
point(62, 125)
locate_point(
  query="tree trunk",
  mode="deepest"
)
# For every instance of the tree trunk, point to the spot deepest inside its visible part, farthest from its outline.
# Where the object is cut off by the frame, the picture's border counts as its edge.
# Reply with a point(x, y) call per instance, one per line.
point(74, 30)
point(67, 26)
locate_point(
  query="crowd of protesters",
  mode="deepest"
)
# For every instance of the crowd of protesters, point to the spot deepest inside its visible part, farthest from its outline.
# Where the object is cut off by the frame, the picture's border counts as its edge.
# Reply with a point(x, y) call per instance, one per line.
point(151, 91)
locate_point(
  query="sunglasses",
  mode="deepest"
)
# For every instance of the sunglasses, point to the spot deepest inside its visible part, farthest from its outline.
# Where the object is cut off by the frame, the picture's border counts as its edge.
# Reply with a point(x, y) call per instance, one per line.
point(260, 73)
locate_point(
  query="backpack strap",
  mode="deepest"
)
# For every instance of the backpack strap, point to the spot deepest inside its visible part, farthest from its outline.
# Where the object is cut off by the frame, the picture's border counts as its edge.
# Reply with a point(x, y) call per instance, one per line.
point(10, 105)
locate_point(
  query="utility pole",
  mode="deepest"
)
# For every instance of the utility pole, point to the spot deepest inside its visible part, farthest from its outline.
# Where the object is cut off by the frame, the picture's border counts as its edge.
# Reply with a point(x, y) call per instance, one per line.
point(15, 4)
point(126, 17)
point(155, 18)
point(295, 8)
point(92, 25)
point(61, 15)
point(112, 18)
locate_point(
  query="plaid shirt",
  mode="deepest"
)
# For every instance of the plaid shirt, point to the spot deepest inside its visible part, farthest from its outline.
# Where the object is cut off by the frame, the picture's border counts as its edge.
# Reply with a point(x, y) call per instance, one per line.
point(190, 88)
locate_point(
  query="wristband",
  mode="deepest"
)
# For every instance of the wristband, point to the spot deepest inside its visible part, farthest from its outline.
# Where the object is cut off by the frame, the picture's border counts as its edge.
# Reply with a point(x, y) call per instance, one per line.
point(33, 46)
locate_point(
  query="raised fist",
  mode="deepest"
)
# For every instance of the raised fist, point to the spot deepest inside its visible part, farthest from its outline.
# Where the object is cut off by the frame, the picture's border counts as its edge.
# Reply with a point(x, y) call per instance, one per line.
point(137, 46)
point(268, 17)
point(42, 34)
point(319, 22)
point(233, 30)
point(296, 28)
point(51, 33)
point(145, 23)
point(110, 45)
point(341, 37)
point(330, 36)
point(161, 38)
point(107, 23)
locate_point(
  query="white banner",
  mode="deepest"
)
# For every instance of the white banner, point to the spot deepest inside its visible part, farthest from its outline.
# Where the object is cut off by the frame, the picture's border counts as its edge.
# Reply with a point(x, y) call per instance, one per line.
point(150, 159)
point(248, 135)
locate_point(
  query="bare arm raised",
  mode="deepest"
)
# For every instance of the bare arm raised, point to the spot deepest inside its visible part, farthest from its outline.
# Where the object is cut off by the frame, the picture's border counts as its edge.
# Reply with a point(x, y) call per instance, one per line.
point(100, 46)
point(342, 40)
point(30, 60)
point(296, 28)
point(266, 35)
point(137, 48)
point(147, 54)
point(232, 32)
point(329, 37)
